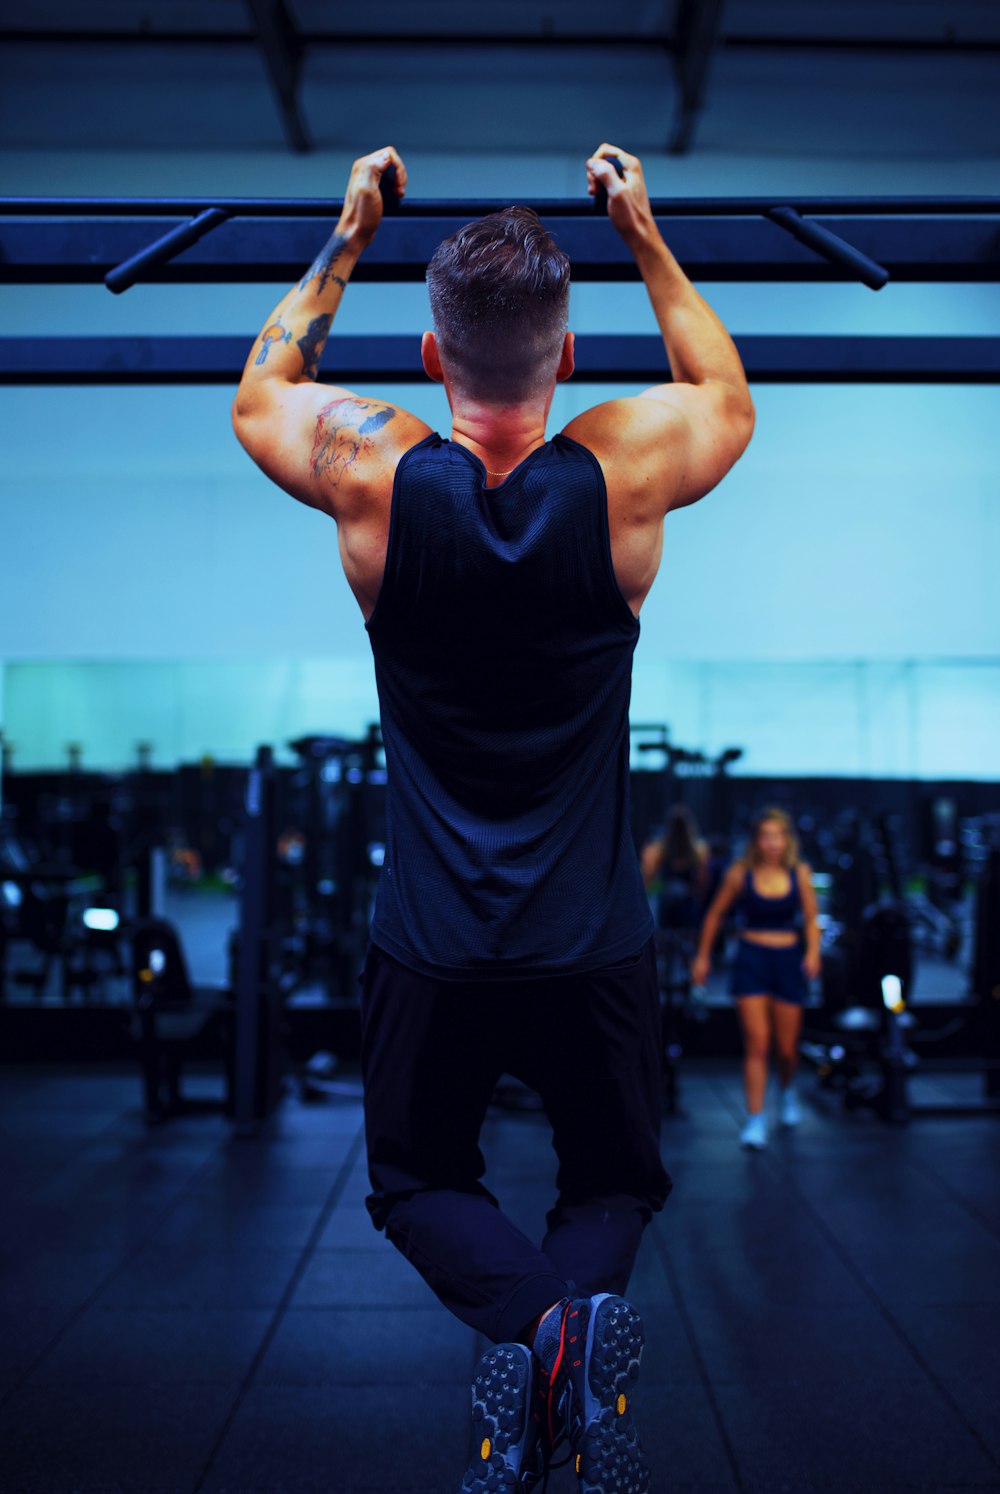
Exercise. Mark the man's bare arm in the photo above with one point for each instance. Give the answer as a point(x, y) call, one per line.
point(311, 440)
point(701, 423)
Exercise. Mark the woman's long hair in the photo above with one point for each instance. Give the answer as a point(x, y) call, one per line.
point(751, 856)
point(681, 843)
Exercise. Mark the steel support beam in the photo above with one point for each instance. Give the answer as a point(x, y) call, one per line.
point(272, 249)
point(604, 41)
point(604, 359)
point(696, 30)
point(282, 51)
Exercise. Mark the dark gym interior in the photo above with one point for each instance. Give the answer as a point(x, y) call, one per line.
point(193, 783)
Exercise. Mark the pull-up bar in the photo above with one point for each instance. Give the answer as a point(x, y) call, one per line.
point(80, 240)
point(469, 207)
point(828, 245)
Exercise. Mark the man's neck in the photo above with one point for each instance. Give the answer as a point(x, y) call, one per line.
point(500, 435)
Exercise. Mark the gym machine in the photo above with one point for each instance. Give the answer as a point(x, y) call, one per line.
point(878, 1045)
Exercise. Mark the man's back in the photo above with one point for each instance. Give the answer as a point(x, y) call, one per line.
point(503, 650)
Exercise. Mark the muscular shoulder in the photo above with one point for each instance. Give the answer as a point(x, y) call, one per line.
point(636, 445)
point(328, 447)
point(356, 443)
point(668, 446)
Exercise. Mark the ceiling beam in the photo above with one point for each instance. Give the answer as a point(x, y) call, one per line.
point(696, 30)
point(282, 51)
point(600, 359)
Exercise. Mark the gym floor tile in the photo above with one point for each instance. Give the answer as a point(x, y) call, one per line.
point(680, 1435)
point(161, 1278)
point(116, 1346)
point(668, 1359)
point(859, 1434)
point(314, 1439)
point(350, 1225)
point(92, 1226)
point(321, 1120)
point(25, 1334)
point(754, 1343)
point(278, 1155)
point(778, 1271)
point(214, 1222)
point(60, 1280)
point(59, 1122)
point(957, 1266)
point(369, 1346)
point(858, 1220)
point(362, 1278)
point(959, 1342)
point(100, 1439)
point(729, 1176)
point(266, 1182)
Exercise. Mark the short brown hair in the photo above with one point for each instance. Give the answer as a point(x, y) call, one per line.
point(499, 291)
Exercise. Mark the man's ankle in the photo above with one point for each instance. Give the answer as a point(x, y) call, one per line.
point(532, 1330)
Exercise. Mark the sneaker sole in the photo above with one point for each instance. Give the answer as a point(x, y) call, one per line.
point(610, 1459)
point(501, 1400)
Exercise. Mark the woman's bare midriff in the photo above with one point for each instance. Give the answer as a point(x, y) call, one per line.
point(771, 938)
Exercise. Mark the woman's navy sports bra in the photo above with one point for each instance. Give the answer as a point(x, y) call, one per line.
point(759, 913)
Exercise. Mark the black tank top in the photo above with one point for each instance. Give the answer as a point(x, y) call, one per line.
point(760, 912)
point(503, 657)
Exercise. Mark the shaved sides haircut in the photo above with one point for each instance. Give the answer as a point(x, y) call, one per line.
point(499, 292)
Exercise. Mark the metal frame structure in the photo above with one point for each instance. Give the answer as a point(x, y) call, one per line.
point(691, 40)
point(121, 241)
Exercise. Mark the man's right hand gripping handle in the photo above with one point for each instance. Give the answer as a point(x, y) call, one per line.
point(627, 199)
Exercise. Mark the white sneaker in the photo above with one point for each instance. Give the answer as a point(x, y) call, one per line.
point(789, 1110)
point(754, 1132)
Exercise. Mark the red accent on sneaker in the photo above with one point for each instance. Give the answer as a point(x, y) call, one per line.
point(555, 1370)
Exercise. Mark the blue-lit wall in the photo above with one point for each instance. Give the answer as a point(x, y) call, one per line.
point(832, 607)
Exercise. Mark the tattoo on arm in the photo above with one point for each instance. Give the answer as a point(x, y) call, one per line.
point(274, 333)
point(322, 267)
point(313, 343)
point(343, 430)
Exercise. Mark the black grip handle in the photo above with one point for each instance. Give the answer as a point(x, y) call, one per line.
point(387, 186)
point(164, 249)
point(601, 195)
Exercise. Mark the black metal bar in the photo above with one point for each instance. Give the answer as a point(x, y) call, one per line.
point(34, 251)
point(901, 44)
point(830, 245)
point(258, 1001)
point(466, 208)
point(612, 40)
point(163, 250)
point(637, 359)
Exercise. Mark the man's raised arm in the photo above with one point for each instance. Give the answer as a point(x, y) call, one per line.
point(704, 419)
point(279, 414)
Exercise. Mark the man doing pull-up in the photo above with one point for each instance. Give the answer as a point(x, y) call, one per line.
point(501, 575)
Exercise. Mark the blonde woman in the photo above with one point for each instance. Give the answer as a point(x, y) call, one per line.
point(770, 892)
